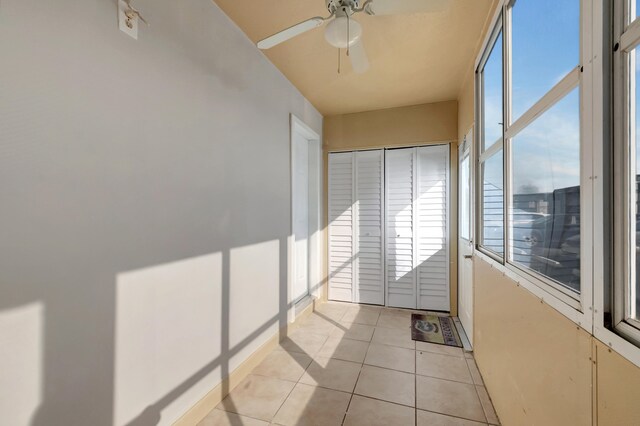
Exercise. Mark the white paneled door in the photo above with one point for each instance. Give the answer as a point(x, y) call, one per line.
point(465, 243)
point(388, 227)
point(356, 240)
point(417, 211)
point(300, 216)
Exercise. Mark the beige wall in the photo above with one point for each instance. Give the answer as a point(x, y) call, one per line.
point(466, 105)
point(535, 363)
point(542, 369)
point(406, 126)
point(414, 125)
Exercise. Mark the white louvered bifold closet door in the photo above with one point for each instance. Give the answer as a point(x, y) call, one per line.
point(401, 285)
point(369, 262)
point(432, 211)
point(341, 241)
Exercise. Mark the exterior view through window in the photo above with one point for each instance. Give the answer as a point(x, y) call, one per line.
point(533, 162)
point(544, 222)
point(491, 158)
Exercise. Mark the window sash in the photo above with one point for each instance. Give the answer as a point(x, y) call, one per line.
point(566, 85)
point(625, 198)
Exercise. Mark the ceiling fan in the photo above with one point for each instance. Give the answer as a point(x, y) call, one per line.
point(344, 32)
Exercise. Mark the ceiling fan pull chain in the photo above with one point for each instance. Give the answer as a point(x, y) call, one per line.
point(339, 60)
point(348, 35)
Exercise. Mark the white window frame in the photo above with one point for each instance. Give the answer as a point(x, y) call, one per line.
point(576, 307)
point(485, 154)
point(627, 39)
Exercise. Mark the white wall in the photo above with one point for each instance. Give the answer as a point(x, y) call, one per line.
point(144, 208)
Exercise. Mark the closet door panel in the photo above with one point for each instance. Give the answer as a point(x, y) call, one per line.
point(432, 212)
point(341, 215)
point(369, 262)
point(399, 212)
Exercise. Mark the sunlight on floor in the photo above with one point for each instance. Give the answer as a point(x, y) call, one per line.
point(357, 365)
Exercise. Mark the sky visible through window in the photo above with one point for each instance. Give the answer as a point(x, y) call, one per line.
point(545, 48)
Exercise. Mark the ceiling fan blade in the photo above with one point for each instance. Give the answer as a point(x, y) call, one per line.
point(397, 7)
point(358, 56)
point(290, 33)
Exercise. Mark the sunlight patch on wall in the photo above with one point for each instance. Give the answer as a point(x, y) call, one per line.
point(168, 327)
point(256, 292)
point(21, 361)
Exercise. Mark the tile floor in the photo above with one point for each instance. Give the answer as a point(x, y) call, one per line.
point(357, 365)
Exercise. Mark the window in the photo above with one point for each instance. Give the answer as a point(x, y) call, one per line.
point(530, 149)
point(545, 47)
point(626, 176)
point(491, 158)
point(544, 225)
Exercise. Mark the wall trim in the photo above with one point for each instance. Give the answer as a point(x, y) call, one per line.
point(209, 402)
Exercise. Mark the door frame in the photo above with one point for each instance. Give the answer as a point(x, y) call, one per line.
point(466, 146)
point(314, 263)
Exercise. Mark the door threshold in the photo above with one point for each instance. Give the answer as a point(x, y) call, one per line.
point(466, 344)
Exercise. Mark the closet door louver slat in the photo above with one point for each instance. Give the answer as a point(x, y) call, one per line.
point(369, 224)
point(432, 246)
point(399, 170)
point(341, 242)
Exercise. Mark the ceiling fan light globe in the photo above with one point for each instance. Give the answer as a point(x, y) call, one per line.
point(343, 31)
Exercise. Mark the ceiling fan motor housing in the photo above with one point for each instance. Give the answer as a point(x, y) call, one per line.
point(334, 6)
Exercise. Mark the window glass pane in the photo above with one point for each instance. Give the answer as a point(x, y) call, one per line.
point(465, 228)
point(545, 47)
point(492, 100)
point(492, 204)
point(545, 216)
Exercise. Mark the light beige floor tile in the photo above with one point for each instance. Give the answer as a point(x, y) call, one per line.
point(442, 367)
point(373, 308)
point(391, 357)
point(447, 397)
point(331, 311)
point(475, 373)
point(283, 365)
point(346, 349)
point(224, 418)
point(394, 321)
point(360, 316)
point(440, 349)
point(309, 405)
point(372, 412)
point(388, 385)
point(258, 397)
point(487, 405)
point(332, 373)
point(427, 418)
point(393, 337)
point(304, 342)
point(355, 331)
point(317, 324)
point(405, 313)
